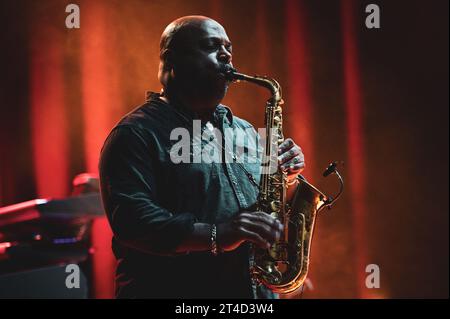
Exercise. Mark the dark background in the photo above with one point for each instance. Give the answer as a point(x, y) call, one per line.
point(376, 99)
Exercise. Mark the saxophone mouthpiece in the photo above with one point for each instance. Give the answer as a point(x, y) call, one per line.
point(228, 71)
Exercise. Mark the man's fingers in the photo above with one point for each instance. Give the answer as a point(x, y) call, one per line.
point(270, 234)
point(290, 154)
point(254, 238)
point(263, 224)
point(293, 167)
point(286, 145)
point(262, 217)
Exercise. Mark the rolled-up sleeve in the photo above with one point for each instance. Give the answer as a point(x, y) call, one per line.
point(130, 195)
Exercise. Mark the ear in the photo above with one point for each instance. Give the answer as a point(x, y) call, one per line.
point(167, 57)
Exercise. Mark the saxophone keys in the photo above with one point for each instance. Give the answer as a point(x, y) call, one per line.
point(275, 205)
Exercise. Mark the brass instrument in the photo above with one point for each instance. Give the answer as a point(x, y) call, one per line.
point(284, 266)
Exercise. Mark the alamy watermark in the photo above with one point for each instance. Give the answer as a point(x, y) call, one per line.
point(235, 145)
point(73, 277)
point(373, 277)
point(373, 18)
point(73, 17)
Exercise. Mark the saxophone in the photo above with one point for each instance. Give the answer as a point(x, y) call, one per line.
point(284, 266)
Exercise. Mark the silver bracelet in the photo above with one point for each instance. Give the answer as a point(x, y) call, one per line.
point(214, 248)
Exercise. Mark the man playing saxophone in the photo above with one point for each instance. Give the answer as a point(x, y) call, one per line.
point(183, 230)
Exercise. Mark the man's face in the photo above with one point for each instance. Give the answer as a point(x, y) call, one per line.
point(204, 48)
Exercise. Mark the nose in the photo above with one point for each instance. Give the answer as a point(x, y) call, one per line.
point(225, 56)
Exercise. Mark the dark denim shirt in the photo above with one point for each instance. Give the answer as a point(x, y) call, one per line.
point(152, 203)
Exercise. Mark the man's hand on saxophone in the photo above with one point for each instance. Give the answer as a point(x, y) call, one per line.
point(257, 227)
point(291, 158)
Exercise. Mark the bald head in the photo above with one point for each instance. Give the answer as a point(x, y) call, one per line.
point(181, 31)
point(193, 50)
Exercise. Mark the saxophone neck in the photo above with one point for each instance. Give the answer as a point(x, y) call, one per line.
point(271, 84)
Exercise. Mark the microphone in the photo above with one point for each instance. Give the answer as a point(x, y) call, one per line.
point(330, 169)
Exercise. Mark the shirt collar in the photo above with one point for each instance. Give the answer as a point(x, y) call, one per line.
point(220, 112)
point(223, 111)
